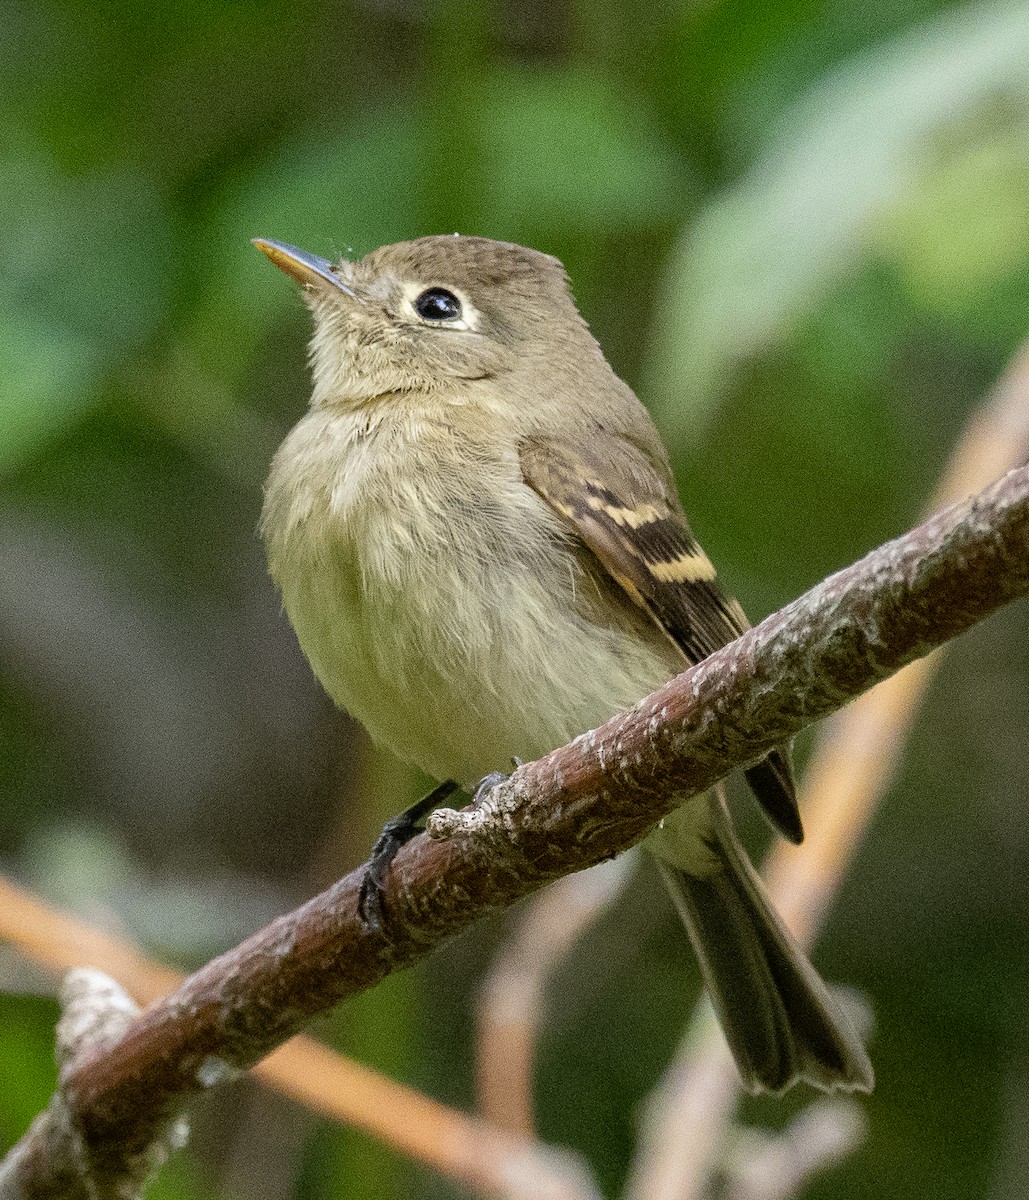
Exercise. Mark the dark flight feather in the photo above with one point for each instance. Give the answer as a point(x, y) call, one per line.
point(645, 544)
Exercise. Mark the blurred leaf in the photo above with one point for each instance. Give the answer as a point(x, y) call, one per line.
point(78, 866)
point(858, 148)
point(570, 150)
point(83, 262)
point(967, 231)
point(47, 374)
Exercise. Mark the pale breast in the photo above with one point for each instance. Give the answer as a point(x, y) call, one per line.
point(438, 599)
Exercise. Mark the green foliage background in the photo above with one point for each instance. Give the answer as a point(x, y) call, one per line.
point(801, 230)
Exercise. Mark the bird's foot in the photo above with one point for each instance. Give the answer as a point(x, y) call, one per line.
point(395, 833)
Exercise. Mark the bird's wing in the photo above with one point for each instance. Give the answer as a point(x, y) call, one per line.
point(641, 537)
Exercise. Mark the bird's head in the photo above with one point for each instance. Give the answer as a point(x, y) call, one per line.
point(427, 314)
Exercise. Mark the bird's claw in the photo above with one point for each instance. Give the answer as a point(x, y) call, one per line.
point(395, 833)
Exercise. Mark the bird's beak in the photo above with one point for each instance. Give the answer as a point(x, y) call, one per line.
point(306, 269)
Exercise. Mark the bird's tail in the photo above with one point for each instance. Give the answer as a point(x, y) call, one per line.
point(779, 1018)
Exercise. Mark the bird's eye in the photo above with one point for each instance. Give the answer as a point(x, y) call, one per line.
point(437, 304)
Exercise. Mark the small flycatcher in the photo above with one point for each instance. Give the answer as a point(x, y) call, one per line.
point(478, 540)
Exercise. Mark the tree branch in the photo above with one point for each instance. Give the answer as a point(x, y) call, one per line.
point(579, 805)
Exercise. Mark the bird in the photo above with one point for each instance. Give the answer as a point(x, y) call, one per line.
point(478, 539)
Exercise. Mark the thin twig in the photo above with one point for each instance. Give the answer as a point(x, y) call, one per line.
point(575, 807)
point(851, 768)
point(777, 1166)
point(513, 993)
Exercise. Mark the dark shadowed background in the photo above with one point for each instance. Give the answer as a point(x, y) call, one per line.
point(800, 230)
